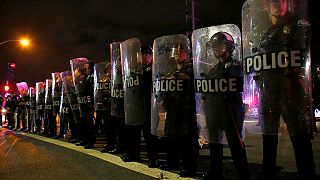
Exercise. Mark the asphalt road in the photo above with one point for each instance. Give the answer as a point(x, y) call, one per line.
point(30, 156)
point(23, 157)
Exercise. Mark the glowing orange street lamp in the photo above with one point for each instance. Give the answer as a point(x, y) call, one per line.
point(23, 42)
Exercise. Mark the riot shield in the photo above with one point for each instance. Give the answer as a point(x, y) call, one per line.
point(22, 88)
point(48, 95)
point(69, 90)
point(218, 81)
point(132, 70)
point(102, 86)
point(277, 66)
point(56, 91)
point(64, 106)
point(32, 95)
point(172, 102)
point(82, 72)
point(117, 102)
point(40, 93)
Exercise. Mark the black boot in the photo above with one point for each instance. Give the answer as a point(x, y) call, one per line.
point(270, 144)
point(216, 158)
point(304, 157)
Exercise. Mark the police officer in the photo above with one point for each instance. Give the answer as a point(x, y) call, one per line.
point(284, 86)
point(23, 112)
point(32, 114)
point(22, 106)
point(174, 96)
point(118, 137)
point(10, 107)
point(75, 123)
point(224, 109)
point(40, 121)
point(65, 113)
point(56, 97)
point(49, 118)
point(316, 94)
point(151, 140)
point(102, 95)
point(83, 77)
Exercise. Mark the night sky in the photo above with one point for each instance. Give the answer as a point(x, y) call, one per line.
point(64, 29)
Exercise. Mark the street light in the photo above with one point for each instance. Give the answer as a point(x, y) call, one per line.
point(11, 66)
point(24, 42)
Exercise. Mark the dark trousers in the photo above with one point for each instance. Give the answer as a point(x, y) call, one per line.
point(101, 116)
point(18, 120)
point(39, 121)
point(303, 154)
point(88, 130)
point(73, 127)
point(110, 131)
point(185, 148)
point(152, 143)
point(29, 119)
point(116, 133)
point(134, 140)
point(11, 121)
point(52, 123)
point(64, 120)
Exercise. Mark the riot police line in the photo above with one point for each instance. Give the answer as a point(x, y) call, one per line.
point(191, 99)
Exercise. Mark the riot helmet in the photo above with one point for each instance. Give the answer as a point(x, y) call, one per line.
point(221, 42)
point(178, 54)
point(146, 50)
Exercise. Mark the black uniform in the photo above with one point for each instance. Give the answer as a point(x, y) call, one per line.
point(181, 116)
point(224, 112)
point(49, 118)
point(33, 124)
point(22, 112)
point(284, 95)
point(151, 140)
point(85, 100)
point(10, 107)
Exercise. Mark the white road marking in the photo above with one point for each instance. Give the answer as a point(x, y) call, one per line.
point(6, 140)
point(11, 147)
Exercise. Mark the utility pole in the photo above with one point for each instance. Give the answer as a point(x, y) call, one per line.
point(191, 18)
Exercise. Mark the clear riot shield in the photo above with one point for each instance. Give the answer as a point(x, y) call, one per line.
point(132, 70)
point(32, 93)
point(102, 86)
point(64, 106)
point(172, 102)
point(82, 72)
point(70, 92)
point(277, 66)
point(23, 90)
point(218, 81)
point(117, 102)
point(56, 91)
point(32, 115)
point(40, 93)
point(48, 95)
